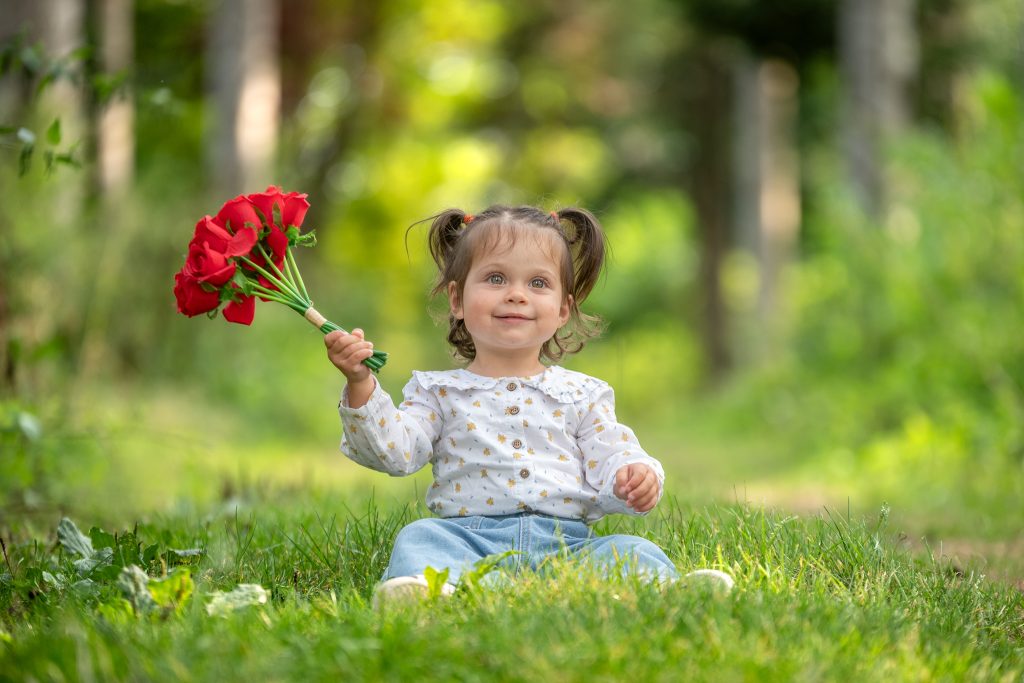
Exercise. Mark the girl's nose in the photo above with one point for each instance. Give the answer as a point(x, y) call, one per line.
point(515, 294)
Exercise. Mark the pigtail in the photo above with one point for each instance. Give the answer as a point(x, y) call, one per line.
point(445, 231)
point(585, 241)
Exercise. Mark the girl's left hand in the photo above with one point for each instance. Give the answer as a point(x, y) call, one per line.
point(637, 484)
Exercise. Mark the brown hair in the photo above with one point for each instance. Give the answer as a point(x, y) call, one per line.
point(456, 237)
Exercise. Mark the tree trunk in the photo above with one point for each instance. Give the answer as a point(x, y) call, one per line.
point(878, 54)
point(58, 27)
point(245, 93)
point(116, 125)
point(711, 193)
point(779, 205)
point(766, 180)
point(115, 160)
point(746, 158)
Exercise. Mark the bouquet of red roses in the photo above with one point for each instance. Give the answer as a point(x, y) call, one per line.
point(245, 252)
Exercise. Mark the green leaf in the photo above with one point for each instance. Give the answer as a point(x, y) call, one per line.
point(25, 159)
point(306, 239)
point(53, 132)
point(49, 77)
point(472, 578)
point(151, 554)
point(68, 159)
point(435, 581)
point(73, 540)
point(173, 590)
point(97, 561)
point(101, 539)
point(190, 557)
point(7, 130)
point(119, 611)
point(133, 583)
point(86, 588)
point(243, 595)
point(244, 283)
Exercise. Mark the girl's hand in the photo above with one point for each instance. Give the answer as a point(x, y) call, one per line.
point(347, 352)
point(637, 484)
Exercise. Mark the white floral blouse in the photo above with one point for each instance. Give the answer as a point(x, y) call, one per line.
point(548, 444)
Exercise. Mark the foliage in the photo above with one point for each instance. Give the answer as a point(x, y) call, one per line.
point(900, 380)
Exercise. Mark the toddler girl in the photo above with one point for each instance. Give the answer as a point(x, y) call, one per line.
point(524, 456)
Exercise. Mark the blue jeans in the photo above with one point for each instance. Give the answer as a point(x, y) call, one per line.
point(456, 543)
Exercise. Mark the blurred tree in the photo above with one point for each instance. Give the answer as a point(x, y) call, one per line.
point(878, 55)
point(44, 88)
point(245, 91)
point(778, 197)
point(115, 135)
point(711, 194)
point(113, 113)
point(758, 51)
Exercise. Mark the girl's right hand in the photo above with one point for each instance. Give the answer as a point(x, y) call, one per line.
point(347, 352)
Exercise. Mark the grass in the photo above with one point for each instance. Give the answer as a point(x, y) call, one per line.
point(823, 593)
point(821, 597)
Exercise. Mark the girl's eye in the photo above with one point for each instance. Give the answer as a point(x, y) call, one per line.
point(496, 279)
point(538, 282)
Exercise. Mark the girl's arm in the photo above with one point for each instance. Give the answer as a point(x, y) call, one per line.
point(398, 441)
point(609, 446)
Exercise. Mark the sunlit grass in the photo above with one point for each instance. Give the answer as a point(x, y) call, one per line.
point(818, 597)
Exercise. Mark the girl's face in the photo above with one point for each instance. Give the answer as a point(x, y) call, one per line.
point(513, 301)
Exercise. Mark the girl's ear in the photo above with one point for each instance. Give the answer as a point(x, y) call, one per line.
point(565, 310)
point(454, 304)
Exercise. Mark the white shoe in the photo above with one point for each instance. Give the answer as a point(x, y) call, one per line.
point(405, 588)
point(711, 578)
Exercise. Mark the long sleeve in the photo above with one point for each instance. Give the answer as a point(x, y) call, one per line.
point(386, 438)
point(607, 446)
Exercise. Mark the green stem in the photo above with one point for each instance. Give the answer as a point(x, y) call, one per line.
point(277, 271)
point(281, 285)
point(273, 295)
point(298, 276)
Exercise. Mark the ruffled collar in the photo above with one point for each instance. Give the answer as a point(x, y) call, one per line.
point(565, 386)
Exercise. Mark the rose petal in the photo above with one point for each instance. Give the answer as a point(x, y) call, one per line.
point(292, 206)
point(208, 230)
point(277, 241)
point(264, 201)
point(237, 213)
point(242, 242)
point(191, 297)
point(241, 312)
point(207, 265)
point(294, 210)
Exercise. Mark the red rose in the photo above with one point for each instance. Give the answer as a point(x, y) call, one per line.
point(192, 298)
point(239, 213)
point(293, 206)
point(241, 311)
point(277, 245)
point(212, 232)
point(208, 265)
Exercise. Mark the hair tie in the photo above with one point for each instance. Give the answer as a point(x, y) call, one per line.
point(468, 218)
point(554, 214)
